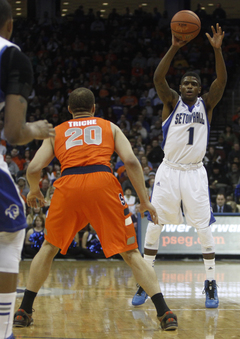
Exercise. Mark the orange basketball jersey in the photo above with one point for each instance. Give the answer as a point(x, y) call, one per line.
point(83, 142)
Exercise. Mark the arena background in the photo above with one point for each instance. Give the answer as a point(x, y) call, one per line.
point(36, 8)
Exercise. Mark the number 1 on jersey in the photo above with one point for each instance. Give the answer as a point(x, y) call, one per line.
point(191, 132)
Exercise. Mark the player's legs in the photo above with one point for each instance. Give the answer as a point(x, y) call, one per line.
point(10, 254)
point(150, 251)
point(147, 278)
point(60, 231)
point(39, 271)
point(12, 233)
point(166, 199)
point(62, 227)
point(151, 242)
point(143, 273)
point(197, 210)
point(40, 266)
point(208, 252)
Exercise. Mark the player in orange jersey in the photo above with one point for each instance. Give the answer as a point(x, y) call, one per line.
point(88, 192)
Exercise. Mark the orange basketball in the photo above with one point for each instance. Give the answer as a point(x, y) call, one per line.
point(185, 25)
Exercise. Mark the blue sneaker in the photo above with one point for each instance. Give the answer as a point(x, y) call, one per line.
point(140, 297)
point(210, 289)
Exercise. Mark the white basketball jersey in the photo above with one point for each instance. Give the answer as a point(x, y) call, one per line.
point(185, 133)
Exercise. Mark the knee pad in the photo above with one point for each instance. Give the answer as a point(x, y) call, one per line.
point(10, 250)
point(206, 239)
point(152, 236)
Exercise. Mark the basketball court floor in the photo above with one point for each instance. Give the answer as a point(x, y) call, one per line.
point(92, 299)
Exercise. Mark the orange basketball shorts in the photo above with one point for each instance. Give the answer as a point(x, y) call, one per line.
point(95, 198)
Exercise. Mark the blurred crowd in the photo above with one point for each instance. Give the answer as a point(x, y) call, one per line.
point(116, 58)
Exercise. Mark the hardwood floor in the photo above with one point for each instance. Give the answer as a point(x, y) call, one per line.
point(92, 299)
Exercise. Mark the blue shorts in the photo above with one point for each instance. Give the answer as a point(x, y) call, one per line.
point(12, 206)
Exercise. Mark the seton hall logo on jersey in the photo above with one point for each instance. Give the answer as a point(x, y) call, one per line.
point(183, 118)
point(12, 211)
point(121, 198)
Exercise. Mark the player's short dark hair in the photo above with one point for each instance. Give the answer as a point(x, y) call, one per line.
point(191, 74)
point(81, 100)
point(5, 12)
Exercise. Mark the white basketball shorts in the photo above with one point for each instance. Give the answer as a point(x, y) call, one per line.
point(179, 190)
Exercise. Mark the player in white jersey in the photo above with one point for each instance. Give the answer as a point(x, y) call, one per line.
point(15, 86)
point(181, 182)
point(183, 128)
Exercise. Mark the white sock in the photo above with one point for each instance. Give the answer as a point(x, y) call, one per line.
point(7, 303)
point(209, 268)
point(150, 259)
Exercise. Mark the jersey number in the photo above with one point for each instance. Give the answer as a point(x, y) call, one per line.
point(191, 132)
point(91, 135)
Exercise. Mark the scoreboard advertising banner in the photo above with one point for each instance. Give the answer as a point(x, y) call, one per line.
point(183, 239)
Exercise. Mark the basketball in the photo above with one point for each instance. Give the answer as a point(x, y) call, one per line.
point(185, 25)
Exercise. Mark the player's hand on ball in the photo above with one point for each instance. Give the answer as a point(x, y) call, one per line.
point(177, 42)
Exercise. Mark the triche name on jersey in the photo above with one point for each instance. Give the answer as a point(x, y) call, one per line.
point(82, 123)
